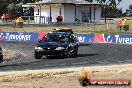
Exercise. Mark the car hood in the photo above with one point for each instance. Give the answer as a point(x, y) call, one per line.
point(52, 44)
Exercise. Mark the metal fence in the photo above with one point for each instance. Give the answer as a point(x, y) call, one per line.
point(34, 19)
point(37, 21)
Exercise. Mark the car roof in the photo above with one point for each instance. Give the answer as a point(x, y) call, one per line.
point(65, 28)
point(59, 33)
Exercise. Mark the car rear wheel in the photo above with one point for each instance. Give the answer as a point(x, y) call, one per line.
point(75, 54)
point(68, 54)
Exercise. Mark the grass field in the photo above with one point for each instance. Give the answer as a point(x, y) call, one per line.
point(110, 28)
point(76, 29)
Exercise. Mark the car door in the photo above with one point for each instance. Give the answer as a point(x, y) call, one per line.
point(73, 43)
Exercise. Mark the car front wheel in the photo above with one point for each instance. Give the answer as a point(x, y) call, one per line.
point(1, 59)
point(37, 57)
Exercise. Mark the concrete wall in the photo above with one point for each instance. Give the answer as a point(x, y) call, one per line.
point(80, 9)
point(56, 12)
point(37, 14)
point(45, 12)
point(67, 11)
point(97, 13)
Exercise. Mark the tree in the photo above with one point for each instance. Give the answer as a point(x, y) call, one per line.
point(108, 2)
point(13, 10)
point(128, 12)
point(5, 4)
point(112, 7)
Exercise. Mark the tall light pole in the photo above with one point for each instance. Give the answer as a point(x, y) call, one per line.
point(60, 7)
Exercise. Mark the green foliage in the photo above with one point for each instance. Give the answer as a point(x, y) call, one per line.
point(128, 11)
point(4, 6)
point(13, 10)
point(112, 10)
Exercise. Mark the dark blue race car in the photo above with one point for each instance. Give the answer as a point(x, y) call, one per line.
point(57, 44)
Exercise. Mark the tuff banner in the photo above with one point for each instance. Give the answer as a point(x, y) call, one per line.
point(85, 38)
point(105, 38)
point(41, 35)
point(118, 38)
point(82, 38)
point(18, 36)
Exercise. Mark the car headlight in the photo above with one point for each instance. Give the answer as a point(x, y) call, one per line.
point(38, 48)
point(59, 48)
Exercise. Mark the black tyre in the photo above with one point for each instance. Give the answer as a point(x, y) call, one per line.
point(37, 57)
point(75, 53)
point(68, 54)
point(84, 81)
point(1, 59)
point(48, 57)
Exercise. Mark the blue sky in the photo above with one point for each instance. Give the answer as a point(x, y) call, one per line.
point(125, 4)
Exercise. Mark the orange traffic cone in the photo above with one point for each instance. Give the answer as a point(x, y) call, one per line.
point(85, 73)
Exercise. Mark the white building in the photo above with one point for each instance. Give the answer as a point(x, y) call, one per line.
point(71, 10)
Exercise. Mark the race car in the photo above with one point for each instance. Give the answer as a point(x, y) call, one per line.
point(56, 44)
point(67, 30)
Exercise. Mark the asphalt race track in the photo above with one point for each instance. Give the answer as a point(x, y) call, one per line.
point(88, 55)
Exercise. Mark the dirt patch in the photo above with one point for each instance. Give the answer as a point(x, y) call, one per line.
point(63, 78)
point(9, 55)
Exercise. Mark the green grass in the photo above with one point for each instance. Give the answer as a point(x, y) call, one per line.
point(76, 29)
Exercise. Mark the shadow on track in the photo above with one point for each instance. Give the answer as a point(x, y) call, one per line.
point(85, 55)
point(9, 65)
point(49, 58)
point(79, 55)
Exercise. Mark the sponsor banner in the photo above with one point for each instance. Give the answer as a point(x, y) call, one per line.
point(113, 38)
point(18, 36)
point(85, 38)
point(99, 38)
point(118, 38)
point(41, 35)
point(82, 38)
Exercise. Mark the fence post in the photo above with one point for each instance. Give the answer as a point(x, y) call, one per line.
point(107, 26)
point(44, 20)
point(28, 20)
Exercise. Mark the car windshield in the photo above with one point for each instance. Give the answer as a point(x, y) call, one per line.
point(68, 31)
point(55, 37)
